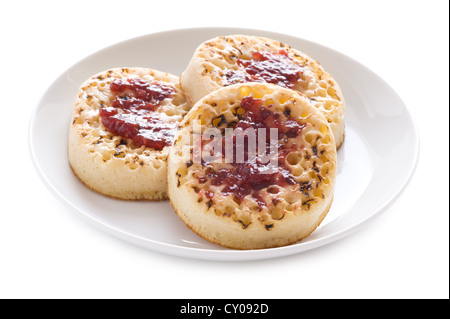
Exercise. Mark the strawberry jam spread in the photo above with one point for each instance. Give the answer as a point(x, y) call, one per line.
point(276, 68)
point(132, 113)
point(251, 176)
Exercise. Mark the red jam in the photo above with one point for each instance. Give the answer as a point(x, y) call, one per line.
point(131, 114)
point(242, 179)
point(276, 68)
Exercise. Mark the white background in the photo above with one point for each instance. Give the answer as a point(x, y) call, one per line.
point(46, 251)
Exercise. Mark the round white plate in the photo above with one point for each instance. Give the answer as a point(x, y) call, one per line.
point(375, 163)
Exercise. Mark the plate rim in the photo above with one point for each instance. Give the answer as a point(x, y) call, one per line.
point(226, 254)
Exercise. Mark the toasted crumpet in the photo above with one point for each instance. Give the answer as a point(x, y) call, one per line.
point(119, 165)
point(253, 204)
point(228, 60)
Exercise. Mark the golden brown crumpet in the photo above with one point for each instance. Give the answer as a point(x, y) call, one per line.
point(228, 60)
point(245, 202)
point(123, 123)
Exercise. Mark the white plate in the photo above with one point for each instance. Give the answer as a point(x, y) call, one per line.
point(375, 163)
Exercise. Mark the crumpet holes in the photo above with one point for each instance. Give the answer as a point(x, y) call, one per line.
point(293, 158)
